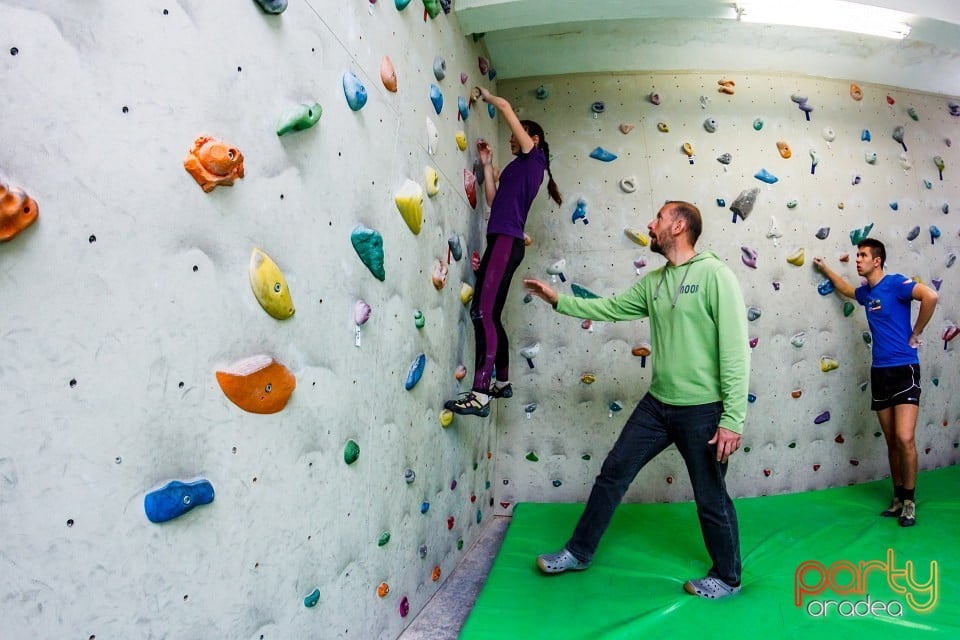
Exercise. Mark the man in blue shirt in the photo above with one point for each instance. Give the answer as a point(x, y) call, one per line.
point(895, 373)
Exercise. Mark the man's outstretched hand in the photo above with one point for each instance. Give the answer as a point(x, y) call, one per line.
point(541, 290)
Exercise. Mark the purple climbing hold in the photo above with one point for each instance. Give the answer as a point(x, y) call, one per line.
point(749, 256)
point(823, 417)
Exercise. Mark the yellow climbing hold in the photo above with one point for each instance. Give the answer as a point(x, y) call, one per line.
point(410, 204)
point(446, 418)
point(588, 378)
point(828, 363)
point(461, 138)
point(796, 258)
point(663, 127)
point(637, 236)
point(432, 179)
point(466, 293)
point(269, 286)
point(688, 149)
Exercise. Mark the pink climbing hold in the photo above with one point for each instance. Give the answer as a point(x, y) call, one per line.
point(951, 332)
point(470, 187)
point(754, 341)
point(749, 256)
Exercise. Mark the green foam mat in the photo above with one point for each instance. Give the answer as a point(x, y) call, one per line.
point(634, 587)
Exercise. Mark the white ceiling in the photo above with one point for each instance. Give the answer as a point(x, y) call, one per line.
point(534, 38)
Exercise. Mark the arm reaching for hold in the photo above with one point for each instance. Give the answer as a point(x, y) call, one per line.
point(524, 140)
point(490, 177)
point(839, 284)
point(542, 291)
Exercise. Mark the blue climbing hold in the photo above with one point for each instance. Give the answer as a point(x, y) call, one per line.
point(751, 398)
point(865, 135)
point(462, 107)
point(415, 372)
point(602, 155)
point(825, 288)
point(765, 176)
point(273, 6)
point(934, 233)
point(491, 110)
point(424, 507)
point(354, 91)
point(176, 498)
point(580, 213)
point(894, 205)
point(721, 202)
point(436, 97)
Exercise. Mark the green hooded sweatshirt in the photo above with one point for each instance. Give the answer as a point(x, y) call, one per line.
point(698, 328)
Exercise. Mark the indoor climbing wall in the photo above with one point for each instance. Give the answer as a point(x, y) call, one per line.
point(810, 164)
point(226, 332)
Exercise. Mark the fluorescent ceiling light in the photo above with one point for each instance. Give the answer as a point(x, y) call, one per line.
point(827, 14)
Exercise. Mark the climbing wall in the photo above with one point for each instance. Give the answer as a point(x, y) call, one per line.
point(200, 435)
point(618, 147)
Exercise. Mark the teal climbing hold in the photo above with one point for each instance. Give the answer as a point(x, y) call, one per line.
point(354, 91)
point(858, 235)
point(176, 498)
point(463, 107)
point(582, 292)
point(298, 118)
point(415, 372)
point(542, 93)
point(351, 451)
point(418, 319)
point(369, 246)
point(384, 539)
point(848, 308)
point(401, 4)
point(312, 599)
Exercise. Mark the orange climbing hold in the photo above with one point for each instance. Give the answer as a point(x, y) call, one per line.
point(17, 211)
point(436, 574)
point(213, 163)
point(388, 75)
point(727, 86)
point(856, 92)
point(383, 589)
point(258, 384)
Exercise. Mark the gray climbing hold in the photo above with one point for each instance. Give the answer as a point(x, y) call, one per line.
point(823, 232)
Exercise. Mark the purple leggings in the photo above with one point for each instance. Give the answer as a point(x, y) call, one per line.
point(500, 261)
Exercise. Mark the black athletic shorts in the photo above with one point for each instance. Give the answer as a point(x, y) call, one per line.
point(891, 386)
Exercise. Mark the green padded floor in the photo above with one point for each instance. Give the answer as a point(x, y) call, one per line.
point(634, 588)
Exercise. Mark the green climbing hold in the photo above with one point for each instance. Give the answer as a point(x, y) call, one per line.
point(586, 456)
point(582, 292)
point(432, 7)
point(351, 452)
point(557, 483)
point(459, 544)
point(532, 457)
point(300, 117)
point(792, 445)
point(746, 449)
point(384, 539)
point(479, 516)
point(475, 465)
point(848, 308)
point(859, 235)
point(936, 382)
point(758, 124)
point(486, 484)
point(418, 319)
point(312, 599)
point(792, 204)
point(368, 244)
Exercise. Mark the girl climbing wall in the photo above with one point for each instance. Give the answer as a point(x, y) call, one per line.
point(510, 202)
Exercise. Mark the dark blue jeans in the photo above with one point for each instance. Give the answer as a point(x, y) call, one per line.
point(651, 428)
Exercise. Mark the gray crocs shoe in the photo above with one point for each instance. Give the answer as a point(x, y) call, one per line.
point(560, 561)
point(710, 587)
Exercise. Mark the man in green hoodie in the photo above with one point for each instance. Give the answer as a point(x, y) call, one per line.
point(697, 398)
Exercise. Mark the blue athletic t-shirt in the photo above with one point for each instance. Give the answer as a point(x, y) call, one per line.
point(520, 181)
point(888, 313)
